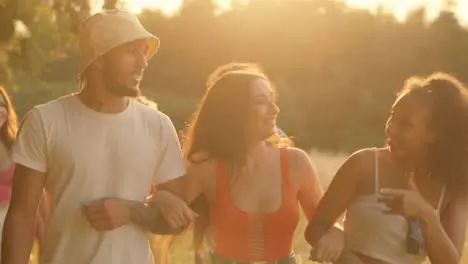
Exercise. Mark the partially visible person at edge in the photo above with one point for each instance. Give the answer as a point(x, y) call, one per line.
point(8, 130)
point(407, 201)
point(97, 143)
point(280, 133)
point(232, 150)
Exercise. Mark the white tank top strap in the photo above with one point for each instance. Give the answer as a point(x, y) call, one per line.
point(376, 172)
point(441, 198)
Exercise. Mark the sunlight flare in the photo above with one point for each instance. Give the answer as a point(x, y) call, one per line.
point(399, 8)
point(166, 6)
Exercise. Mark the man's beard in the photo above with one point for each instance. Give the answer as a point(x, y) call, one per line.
point(114, 86)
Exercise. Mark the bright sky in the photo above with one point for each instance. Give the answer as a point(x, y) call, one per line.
point(398, 7)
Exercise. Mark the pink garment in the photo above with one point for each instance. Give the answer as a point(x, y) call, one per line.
point(6, 176)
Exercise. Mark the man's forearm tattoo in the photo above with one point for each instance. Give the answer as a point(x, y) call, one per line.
point(149, 217)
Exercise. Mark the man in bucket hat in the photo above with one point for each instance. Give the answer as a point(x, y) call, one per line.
point(84, 147)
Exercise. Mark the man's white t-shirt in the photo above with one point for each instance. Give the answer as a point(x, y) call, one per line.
point(87, 156)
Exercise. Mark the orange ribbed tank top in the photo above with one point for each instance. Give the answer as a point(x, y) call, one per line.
point(247, 237)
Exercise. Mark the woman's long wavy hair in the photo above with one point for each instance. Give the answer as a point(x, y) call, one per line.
point(10, 127)
point(218, 129)
point(447, 101)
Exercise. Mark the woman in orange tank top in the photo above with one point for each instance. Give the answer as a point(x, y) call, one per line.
point(247, 180)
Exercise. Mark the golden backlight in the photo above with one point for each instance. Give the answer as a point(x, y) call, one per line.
point(167, 6)
point(398, 7)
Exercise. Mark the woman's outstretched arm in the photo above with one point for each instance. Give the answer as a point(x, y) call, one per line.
point(337, 197)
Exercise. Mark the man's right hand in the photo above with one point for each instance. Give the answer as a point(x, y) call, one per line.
point(175, 211)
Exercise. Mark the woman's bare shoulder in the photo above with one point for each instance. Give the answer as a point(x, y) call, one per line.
point(298, 158)
point(361, 160)
point(360, 165)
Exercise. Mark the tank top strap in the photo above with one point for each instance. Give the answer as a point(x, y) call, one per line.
point(285, 168)
point(376, 172)
point(441, 198)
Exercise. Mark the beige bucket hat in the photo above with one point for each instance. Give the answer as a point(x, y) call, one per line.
point(106, 30)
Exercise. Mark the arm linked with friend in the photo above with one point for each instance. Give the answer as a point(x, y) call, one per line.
point(149, 216)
